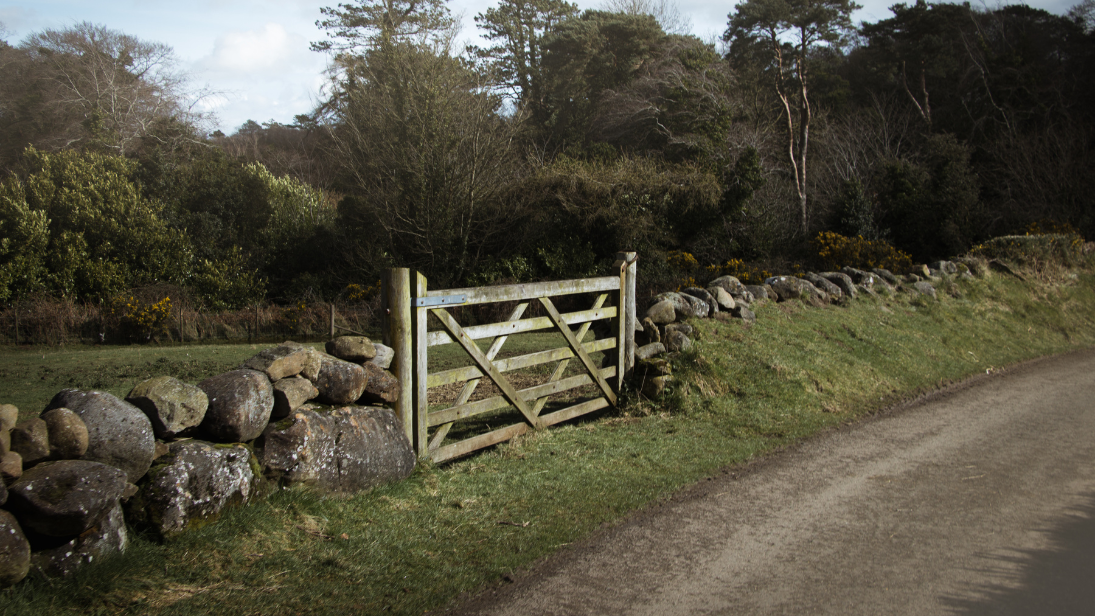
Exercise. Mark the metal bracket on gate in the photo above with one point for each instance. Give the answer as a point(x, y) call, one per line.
point(440, 300)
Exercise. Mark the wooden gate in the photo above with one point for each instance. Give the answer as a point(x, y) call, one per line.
point(409, 305)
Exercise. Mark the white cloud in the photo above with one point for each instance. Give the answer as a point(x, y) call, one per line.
point(271, 48)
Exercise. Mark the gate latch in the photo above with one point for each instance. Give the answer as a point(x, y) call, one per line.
point(440, 300)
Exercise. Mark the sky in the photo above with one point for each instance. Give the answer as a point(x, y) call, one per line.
point(254, 54)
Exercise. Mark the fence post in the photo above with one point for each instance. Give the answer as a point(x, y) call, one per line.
point(421, 369)
point(625, 317)
point(16, 325)
point(332, 337)
point(396, 286)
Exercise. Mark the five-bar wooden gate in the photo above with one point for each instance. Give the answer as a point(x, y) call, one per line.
point(408, 305)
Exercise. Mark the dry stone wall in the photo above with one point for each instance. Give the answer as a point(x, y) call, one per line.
point(172, 455)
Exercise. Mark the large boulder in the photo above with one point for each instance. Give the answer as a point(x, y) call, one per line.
point(175, 408)
point(338, 381)
point(14, 551)
point(685, 306)
point(347, 450)
point(676, 340)
point(192, 485)
point(108, 536)
point(381, 388)
point(649, 350)
point(240, 404)
point(68, 435)
point(886, 275)
point(289, 394)
point(66, 497)
point(948, 268)
point(119, 434)
point(758, 292)
point(286, 359)
point(356, 349)
point(744, 313)
point(30, 439)
point(842, 280)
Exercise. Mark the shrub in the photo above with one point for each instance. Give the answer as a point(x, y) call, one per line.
point(1066, 249)
point(836, 251)
point(746, 273)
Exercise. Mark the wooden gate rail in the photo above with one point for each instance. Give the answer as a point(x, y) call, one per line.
point(408, 304)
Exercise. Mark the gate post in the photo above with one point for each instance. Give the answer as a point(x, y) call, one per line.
point(396, 302)
point(420, 406)
point(625, 318)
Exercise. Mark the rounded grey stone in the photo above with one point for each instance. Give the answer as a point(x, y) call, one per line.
point(240, 404)
point(66, 497)
point(175, 408)
point(119, 434)
point(68, 435)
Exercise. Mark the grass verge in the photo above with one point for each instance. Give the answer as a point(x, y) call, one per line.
point(742, 391)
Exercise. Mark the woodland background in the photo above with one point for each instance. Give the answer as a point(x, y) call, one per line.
point(572, 136)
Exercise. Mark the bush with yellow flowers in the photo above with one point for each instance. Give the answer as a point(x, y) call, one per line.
point(140, 320)
point(746, 273)
point(358, 293)
point(1067, 249)
point(837, 251)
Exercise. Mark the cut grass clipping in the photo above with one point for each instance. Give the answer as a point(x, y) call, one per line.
point(741, 392)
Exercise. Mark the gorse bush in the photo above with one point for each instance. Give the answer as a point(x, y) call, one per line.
point(746, 273)
point(139, 320)
point(836, 251)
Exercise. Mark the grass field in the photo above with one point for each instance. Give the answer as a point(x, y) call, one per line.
point(742, 391)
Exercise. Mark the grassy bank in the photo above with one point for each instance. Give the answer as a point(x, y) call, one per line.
point(742, 391)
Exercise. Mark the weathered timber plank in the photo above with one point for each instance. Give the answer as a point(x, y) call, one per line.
point(578, 350)
point(471, 409)
point(398, 335)
point(484, 364)
point(534, 290)
point(456, 375)
point(448, 452)
point(574, 411)
point(421, 370)
point(478, 332)
point(469, 387)
point(561, 369)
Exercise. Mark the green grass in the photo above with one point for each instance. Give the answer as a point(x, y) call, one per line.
point(741, 392)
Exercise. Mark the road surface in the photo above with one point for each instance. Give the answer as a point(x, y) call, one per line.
point(976, 500)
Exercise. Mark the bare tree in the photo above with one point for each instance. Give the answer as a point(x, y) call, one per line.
point(667, 12)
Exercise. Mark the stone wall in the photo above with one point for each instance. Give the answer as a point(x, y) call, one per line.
point(172, 455)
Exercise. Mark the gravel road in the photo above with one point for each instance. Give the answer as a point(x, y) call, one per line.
point(976, 500)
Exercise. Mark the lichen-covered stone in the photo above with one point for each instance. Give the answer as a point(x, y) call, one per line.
point(9, 416)
point(356, 349)
point(192, 485)
point(744, 313)
point(842, 280)
point(14, 551)
point(68, 435)
point(289, 394)
point(685, 306)
point(384, 356)
point(791, 287)
point(285, 360)
point(339, 382)
point(119, 434)
point(886, 275)
point(732, 285)
point(824, 284)
point(108, 536)
point(5, 441)
point(722, 298)
point(649, 350)
point(66, 497)
point(350, 449)
point(661, 312)
point(676, 340)
point(924, 288)
point(655, 386)
point(713, 306)
point(30, 439)
point(757, 292)
point(381, 388)
point(948, 268)
point(240, 404)
point(175, 408)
